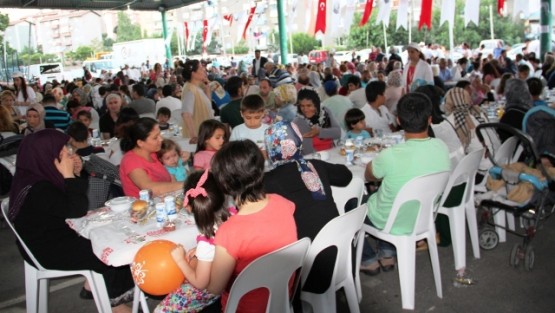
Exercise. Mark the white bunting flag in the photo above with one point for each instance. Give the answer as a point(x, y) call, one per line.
point(447, 12)
point(471, 12)
point(520, 7)
point(384, 12)
point(402, 14)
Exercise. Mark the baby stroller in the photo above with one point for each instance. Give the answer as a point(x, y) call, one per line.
point(522, 190)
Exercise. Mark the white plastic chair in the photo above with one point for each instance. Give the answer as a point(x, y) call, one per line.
point(272, 271)
point(342, 195)
point(36, 279)
point(465, 172)
point(340, 233)
point(426, 191)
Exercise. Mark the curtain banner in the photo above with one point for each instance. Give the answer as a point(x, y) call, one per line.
point(426, 14)
point(367, 12)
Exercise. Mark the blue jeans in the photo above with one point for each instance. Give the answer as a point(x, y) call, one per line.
point(385, 249)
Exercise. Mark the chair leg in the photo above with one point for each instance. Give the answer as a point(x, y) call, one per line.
point(31, 288)
point(434, 257)
point(360, 244)
point(499, 220)
point(352, 297)
point(473, 228)
point(406, 258)
point(144, 305)
point(458, 235)
point(136, 299)
point(510, 221)
point(100, 294)
point(43, 295)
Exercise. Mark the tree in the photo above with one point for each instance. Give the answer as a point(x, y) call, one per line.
point(126, 30)
point(511, 31)
point(81, 53)
point(107, 42)
point(304, 43)
point(240, 48)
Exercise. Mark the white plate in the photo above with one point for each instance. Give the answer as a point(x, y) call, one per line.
point(120, 204)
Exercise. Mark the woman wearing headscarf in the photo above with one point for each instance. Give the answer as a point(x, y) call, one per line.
point(417, 72)
point(46, 190)
point(317, 125)
point(518, 102)
point(35, 119)
point(308, 185)
point(394, 90)
point(464, 117)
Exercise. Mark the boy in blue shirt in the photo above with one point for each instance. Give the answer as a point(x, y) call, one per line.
point(354, 120)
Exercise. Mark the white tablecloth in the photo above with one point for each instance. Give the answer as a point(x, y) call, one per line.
point(115, 239)
point(334, 156)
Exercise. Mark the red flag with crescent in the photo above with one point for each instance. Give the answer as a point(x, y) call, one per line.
point(367, 12)
point(500, 6)
point(229, 18)
point(204, 30)
point(321, 17)
point(426, 14)
point(186, 33)
point(249, 20)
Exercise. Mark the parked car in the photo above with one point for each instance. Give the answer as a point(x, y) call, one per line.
point(317, 56)
point(342, 56)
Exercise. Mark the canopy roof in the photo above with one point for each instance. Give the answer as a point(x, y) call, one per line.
point(143, 5)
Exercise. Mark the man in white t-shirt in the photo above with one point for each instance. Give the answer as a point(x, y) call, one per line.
point(378, 119)
point(168, 101)
point(357, 94)
point(252, 112)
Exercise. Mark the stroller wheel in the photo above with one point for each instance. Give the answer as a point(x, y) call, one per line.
point(516, 253)
point(529, 257)
point(488, 239)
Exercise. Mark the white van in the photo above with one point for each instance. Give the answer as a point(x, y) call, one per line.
point(96, 67)
point(46, 72)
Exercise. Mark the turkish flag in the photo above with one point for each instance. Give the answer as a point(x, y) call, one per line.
point(500, 6)
point(367, 12)
point(321, 17)
point(186, 33)
point(426, 14)
point(204, 34)
point(251, 14)
point(229, 18)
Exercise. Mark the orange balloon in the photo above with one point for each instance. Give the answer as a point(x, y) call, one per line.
point(154, 269)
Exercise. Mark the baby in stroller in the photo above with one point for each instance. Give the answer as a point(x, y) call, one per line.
point(523, 190)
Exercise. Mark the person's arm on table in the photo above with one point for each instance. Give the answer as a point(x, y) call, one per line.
point(139, 177)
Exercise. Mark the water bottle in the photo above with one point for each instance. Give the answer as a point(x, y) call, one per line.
point(349, 152)
point(169, 203)
point(160, 214)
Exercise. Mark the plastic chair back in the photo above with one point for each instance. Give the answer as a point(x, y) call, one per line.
point(272, 271)
point(36, 278)
point(342, 195)
point(465, 172)
point(426, 191)
point(338, 232)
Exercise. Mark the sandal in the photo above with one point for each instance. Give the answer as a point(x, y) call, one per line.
point(85, 294)
point(387, 264)
point(372, 269)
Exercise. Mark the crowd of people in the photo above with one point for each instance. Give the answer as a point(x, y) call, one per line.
point(242, 119)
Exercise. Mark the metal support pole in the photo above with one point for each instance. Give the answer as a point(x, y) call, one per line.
point(282, 31)
point(165, 36)
point(546, 26)
point(491, 22)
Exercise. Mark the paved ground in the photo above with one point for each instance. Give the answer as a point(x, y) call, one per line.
point(500, 287)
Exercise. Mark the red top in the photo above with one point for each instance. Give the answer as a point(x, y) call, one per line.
point(154, 169)
point(247, 237)
point(410, 76)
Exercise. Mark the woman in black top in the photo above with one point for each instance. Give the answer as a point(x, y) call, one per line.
point(45, 192)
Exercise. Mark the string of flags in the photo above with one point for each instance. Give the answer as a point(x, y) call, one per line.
point(330, 18)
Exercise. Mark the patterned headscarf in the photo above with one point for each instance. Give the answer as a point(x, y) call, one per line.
point(459, 103)
point(34, 163)
point(284, 145)
point(394, 78)
point(517, 94)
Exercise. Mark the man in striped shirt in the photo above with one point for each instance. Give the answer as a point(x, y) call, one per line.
point(59, 118)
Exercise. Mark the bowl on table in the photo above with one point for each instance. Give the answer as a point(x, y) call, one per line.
point(120, 204)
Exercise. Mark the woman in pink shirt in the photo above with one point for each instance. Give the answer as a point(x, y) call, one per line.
point(140, 168)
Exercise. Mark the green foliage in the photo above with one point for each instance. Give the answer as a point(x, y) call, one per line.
point(240, 48)
point(174, 44)
point(107, 42)
point(511, 31)
point(30, 56)
point(127, 31)
point(304, 43)
point(81, 53)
